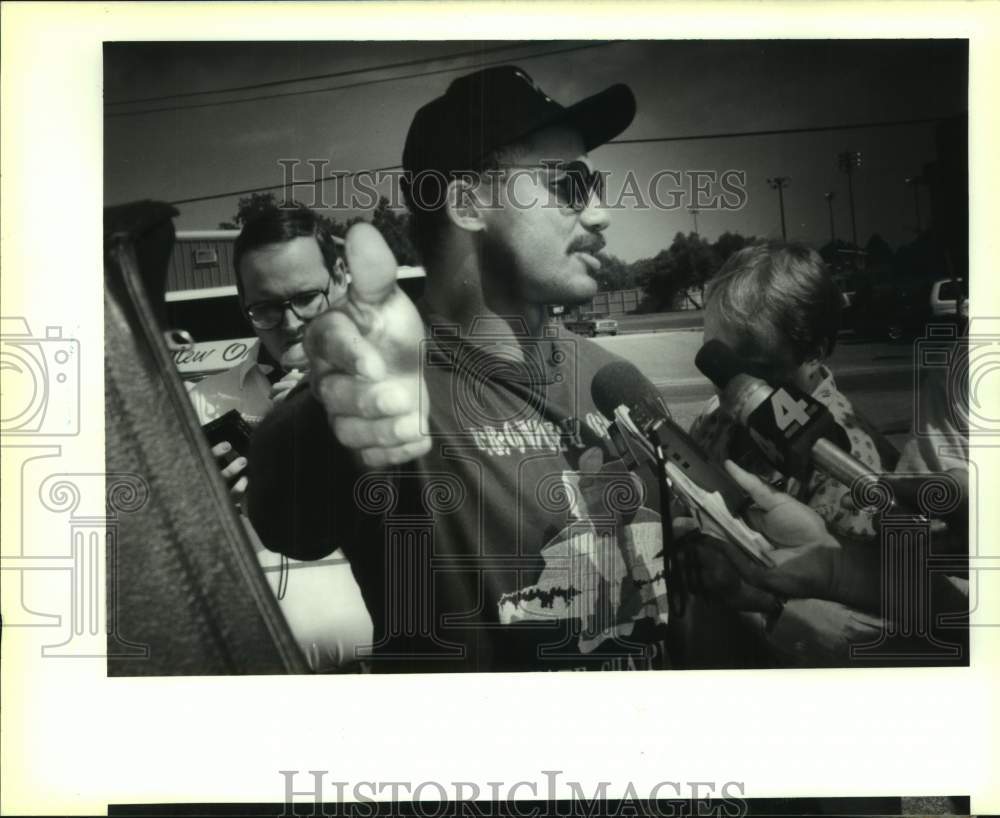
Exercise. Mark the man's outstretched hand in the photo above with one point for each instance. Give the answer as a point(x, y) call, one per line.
point(364, 359)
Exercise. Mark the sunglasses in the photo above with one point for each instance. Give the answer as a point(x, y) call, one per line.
point(573, 184)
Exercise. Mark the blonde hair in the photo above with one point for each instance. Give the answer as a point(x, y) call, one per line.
point(775, 297)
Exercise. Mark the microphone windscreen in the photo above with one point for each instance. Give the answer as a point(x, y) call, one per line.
point(718, 363)
point(621, 382)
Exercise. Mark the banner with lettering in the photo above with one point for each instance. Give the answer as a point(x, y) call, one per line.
point(212, 356)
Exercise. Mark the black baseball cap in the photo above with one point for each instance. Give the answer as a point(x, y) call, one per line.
point(488, 109)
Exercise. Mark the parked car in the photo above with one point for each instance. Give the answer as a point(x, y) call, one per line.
point(946, 293)
point(592, 325)
point(898, 309)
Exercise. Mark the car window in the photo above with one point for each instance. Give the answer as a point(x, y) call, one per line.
point(949, 290)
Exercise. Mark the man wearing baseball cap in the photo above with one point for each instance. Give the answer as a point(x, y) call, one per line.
point(452, 447)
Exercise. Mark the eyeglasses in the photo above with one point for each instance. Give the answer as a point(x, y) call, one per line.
point(305, 305)
point(573, 184)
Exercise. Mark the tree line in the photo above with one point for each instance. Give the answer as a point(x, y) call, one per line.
point(680, 271)
point(676, 276)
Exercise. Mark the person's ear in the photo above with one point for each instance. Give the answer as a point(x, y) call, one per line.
point(463, 204)
point(340, 272)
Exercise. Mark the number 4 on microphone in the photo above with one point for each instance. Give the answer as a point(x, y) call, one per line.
point(788, 410)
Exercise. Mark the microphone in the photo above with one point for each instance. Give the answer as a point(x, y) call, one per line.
point(627, 398)
point(793, 430)
point(617, 389)
point(619, 385)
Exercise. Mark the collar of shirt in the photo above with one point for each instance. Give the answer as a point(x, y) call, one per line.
point(826, 386)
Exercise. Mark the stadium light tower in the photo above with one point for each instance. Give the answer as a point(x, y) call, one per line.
point(847, 162)
point(829, 203)
point(779, 183)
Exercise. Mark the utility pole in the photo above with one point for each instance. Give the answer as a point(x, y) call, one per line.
point(829, 203)
point(779, 183)
point(694, 213)
point(915, 182)
point(848, 161)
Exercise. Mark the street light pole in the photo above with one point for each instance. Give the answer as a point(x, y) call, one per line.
point(779, 183)
point(829, 202)
point(848, 161)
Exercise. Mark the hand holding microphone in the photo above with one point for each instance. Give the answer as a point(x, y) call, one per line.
point(793, 430)
point(642, 428)
point(809, 563)
point(619, 388)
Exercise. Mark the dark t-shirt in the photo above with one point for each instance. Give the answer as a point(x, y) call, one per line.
point(519, 542)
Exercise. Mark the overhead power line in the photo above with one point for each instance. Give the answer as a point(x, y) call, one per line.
point(273, 83)
point(342, 175)
point(350, 85)
point(639, 141)
point(777, 131)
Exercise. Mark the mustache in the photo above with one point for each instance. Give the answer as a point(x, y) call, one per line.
point(592, 244)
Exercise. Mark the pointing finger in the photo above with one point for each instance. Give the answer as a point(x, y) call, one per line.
point(334, 342)
point(360, 433)
point(379, 457)
point(346, 395)
point(372, 265)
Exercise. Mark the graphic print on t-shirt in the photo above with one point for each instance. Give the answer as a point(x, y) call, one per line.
point(604, 569)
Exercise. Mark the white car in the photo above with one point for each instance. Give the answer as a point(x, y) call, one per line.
point(946, 294)
point(592, 325)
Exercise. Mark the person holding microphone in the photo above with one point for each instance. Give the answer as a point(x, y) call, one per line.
point(820, 598)
point(777, 308)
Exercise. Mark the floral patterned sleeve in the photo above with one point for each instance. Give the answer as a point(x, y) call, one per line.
point(825, 494)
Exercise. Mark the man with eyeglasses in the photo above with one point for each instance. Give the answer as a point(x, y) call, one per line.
point(493, 527)
point(288, 268)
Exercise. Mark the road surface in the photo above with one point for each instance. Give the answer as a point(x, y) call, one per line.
point(659, 321)
point(877, 377)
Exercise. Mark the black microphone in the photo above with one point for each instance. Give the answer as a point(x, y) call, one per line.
point(625, 397)
point(793, 430)
point(621, 384)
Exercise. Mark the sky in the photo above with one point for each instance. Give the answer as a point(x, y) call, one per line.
point(683, 89)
